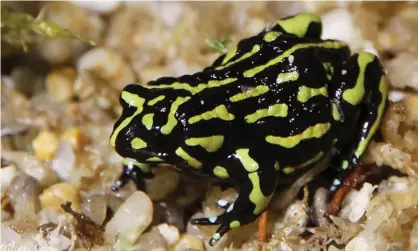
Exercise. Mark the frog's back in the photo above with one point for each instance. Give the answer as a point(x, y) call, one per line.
point(271, 93)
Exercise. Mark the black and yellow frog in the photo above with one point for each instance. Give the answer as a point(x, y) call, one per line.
point(275, 103)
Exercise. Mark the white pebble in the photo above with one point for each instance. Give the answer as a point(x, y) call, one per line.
point(356, 203)
point(6, 176)
point(131, 218)
point(170, 12)
point(396, 96)
point(343, 72)
point(360, 243)
point(64, 160)
point(101, 7)
point(171, 233)
point(339, 24)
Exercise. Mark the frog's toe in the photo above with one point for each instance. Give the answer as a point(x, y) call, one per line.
point(222, 230)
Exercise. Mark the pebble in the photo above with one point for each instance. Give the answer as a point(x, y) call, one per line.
point(339, 24)
point(170, 233)
point(188, 241)
point(6, 176)
point(64, 160)
point(165, 182)
point(23, 197)
point(57, 194)
point(356, 203)
point(45, 145)
point(137, 210)
point(76, 137)
point(101, 7)
point(59, 84)
point(108, 65)
point(95, 207)
point(32, 166)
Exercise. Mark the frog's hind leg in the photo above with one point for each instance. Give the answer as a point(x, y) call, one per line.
point(255, 191)
point(301, 25)
point(359, 84)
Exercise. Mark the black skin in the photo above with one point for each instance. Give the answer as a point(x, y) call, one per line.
point(239, 134)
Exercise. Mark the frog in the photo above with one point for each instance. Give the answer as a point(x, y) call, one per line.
point(271, 106)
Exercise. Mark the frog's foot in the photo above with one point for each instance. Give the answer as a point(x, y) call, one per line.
point(227, 221)
point(131, 173)
point(251, 202)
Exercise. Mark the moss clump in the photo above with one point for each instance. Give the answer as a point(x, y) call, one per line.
point(219, 45)
point(22, 29)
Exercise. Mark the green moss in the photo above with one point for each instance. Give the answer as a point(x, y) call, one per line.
point(22, 29)
point(218, 44)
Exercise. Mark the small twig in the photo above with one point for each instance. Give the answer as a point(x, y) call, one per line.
point(356, 176)
point(85, 226)
point(262, 229)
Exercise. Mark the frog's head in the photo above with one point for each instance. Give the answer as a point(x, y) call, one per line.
point(138, 133)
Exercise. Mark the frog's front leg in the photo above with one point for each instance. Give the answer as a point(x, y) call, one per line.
point(359, 84)
point(134, 171)
point(255, 191)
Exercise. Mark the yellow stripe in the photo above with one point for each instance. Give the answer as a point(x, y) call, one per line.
point(383, 88)
point(189, 159)
point(193, 89)
point(335, 112)
point(315, 131)
point(156, 100)
point(219, 112)
point(229, 55)
point(305, 93)
point(254, 50)
point(290, 169)
point(277, 110)
point(133, 100)
point(138, 143)
point(327, 44)
point(221, 172)
point(148, 120)
point(211, 143)
point(155, 159)
point(257, 91)
point(271, 36)
point(299, 24)
point(356, 94)
point(172, 121)
point(247, 162)
point(287, 77)
point(256, 196)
